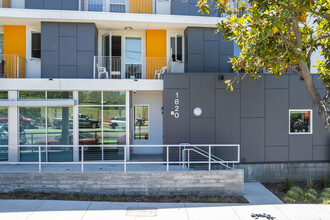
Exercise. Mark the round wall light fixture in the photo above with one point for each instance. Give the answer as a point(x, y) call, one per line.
point(197, 111)
point(128, 28)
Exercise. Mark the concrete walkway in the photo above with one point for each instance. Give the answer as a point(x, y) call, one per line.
point(263, 205)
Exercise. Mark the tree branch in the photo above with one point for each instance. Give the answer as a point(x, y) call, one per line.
point(326, 97)
point(312, 45)
point(297, 33)
point(321, 15)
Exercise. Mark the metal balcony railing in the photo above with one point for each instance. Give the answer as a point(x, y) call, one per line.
point(12, 66)
point(106, 67)
point(4, 3)
point(119, 6)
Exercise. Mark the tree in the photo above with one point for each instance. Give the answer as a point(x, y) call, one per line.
point(278, 35)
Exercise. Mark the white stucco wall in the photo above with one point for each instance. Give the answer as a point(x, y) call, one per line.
point(32, 65)
point(155, 102)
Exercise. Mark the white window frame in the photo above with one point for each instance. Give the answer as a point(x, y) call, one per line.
point(34, 32)
point(176, 48)
point(134, 122)
point(310, 118)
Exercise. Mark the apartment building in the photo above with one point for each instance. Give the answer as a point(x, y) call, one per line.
point(95, 75)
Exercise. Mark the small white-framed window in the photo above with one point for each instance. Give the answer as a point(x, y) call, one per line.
point(35, 52)
point(141, 122)
point(177, 48)
point(300, 121)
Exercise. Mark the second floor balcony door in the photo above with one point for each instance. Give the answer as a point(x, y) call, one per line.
point(133, 57)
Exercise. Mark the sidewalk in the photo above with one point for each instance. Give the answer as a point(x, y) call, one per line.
point(255, 193)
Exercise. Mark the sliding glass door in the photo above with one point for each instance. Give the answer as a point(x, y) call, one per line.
point(133, 57)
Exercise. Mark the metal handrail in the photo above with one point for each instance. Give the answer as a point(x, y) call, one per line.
point(81, 148)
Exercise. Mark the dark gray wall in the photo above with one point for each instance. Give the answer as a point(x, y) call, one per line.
point(206, 52)
point(188, 7)
point(255, 115)
point(68, 49)
point(52, 4)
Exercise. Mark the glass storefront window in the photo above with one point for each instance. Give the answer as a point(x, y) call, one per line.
point(89, 98)
point(90, 131)
point(114, 98)
point(3, 95)
point(32, 95)
point(59, 126)
point(114, 125)
point(3, 134)
point(141, 122)
point(59, 95)
point(32, 125)
point(300, 121)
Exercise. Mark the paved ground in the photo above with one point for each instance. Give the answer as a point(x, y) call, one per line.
point(263, 205)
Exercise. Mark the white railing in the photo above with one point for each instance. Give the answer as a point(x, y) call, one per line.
point(106, 67)
point(12, 66)
point(189, 157)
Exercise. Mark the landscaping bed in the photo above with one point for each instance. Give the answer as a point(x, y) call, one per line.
point(106, 198)
point(311, 192)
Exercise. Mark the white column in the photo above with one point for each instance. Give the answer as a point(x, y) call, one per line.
point(75, 128)
point(13, 129)
point(127, 124)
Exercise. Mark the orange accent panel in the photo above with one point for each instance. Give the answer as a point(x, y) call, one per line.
point(141, 6)
point(6, 3)
point(156, 51)
point(14, 43)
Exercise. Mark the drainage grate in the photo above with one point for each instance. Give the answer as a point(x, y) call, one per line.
point(141, 212)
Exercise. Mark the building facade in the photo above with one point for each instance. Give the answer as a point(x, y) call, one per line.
point(89, 73)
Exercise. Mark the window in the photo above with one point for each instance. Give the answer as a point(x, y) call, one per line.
point(95, 5)
point(1, 44)
point(3, 133)
point(133, 57)
point(118, 6)
point(177, 48)
point(32, 95)
point(35, 44)
point(141, 122)
point(300, 121)
point(59, 95)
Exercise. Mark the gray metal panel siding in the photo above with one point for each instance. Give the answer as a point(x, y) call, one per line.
point(321, 153)
point(227, 116)
point(176, 130)
point(86, 37)
point(172, 81)
point(53, 4)
point(68, 51)
point(225, 66)
point(85, 64)
point(276, 83)
point(211, 56)
point(70, 5)
point(252, 140)
point(195, 43)
point(75, 47)
point(68, 71)
point(301, 147)
point(68, 29)
point(318, 81)
point(225, 47)
point(277, 154)
point(277, 125)
point(299, 97)
point(202, 131)
point(220, 84)
point(49, 64)
point(202, 94)
point(49, 36)
point(180, 7)
point(195, 63)
point(34, 4)
point(252, 98)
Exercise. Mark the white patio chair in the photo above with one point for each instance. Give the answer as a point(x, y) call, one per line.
point(102, 72)
point(160, 73)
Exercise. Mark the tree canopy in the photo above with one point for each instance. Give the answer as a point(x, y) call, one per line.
point(278, 35)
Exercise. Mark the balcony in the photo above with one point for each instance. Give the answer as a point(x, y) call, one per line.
point(12, 66)
point(127, 6)
point(4, 3)
point(106, 67)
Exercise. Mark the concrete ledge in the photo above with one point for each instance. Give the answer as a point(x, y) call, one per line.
point(276, 172)
point(138, 183)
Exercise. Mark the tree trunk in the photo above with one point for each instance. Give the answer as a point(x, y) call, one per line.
point(320, 104)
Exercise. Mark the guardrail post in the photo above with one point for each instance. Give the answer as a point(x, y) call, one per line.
point(39, 148)
point(167, 159)
point(125, 159)
point(188, 160)
point(210, 157)
point(82, 159)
